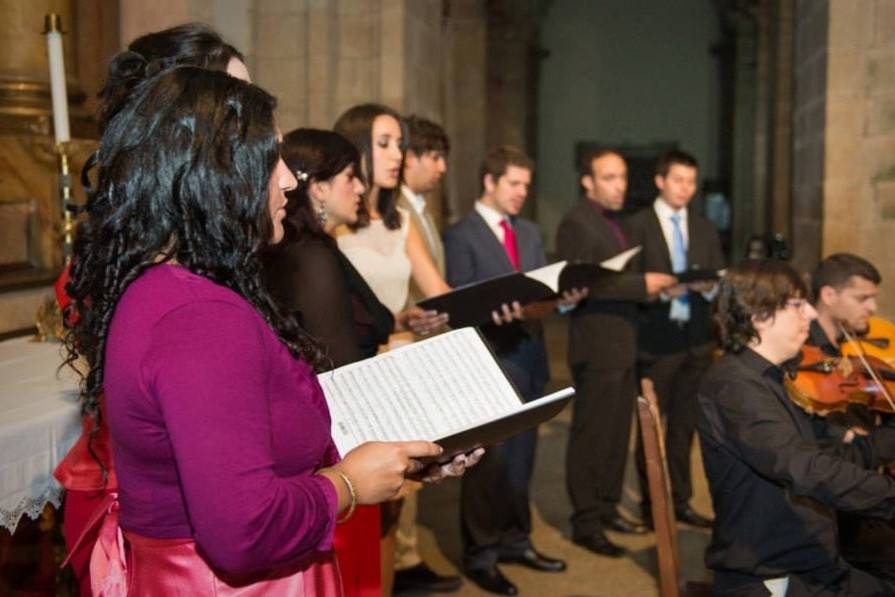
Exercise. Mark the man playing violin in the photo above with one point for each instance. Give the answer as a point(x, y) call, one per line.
point(777, 475)
point(845, 287)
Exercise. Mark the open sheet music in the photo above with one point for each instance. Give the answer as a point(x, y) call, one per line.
point(472, 304)
point(448, 389)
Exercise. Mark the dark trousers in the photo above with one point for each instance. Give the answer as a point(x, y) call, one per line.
point(494, 510)
point(495, 517)
point(598, 443)
point(676, 378)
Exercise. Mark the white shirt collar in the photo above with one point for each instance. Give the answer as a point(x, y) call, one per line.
point(664, 211)
point(416, 200)
point(491, 215)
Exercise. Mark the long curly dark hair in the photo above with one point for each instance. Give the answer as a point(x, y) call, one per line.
point(313, 155)
point(356, 125)
point(183, 172)
point(754, 288)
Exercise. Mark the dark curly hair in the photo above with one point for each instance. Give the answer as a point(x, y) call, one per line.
point(313, 155)
point(356, 125)
point(754, 288)
point(183, 172)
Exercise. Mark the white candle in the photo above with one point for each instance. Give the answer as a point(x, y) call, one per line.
point(57, 86)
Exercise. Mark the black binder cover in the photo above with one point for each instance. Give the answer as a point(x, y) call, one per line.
point(495, 431)
point(472, 304)
point(697, 275)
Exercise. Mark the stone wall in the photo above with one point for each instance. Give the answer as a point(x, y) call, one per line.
point(859, 162)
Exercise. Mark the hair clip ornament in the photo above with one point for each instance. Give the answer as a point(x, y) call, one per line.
point(301, 175)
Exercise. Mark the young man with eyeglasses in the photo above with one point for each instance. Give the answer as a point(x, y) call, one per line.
point(778, 475)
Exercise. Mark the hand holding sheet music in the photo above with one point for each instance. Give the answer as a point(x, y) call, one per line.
point(448, 389)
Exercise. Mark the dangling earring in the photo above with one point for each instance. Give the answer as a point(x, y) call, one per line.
point(321, 215)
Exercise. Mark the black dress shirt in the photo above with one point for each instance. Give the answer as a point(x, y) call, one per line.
point(777, 476)
point(818, 337)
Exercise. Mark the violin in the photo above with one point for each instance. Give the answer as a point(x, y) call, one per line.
point(825, 384)
point(878, 341)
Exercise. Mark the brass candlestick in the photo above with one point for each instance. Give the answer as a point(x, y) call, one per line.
point(67, 203)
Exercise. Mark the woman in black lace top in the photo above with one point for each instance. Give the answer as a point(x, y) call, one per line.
point(308, 273)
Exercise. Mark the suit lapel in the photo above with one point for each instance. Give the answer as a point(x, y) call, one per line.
point(694, 246)
point(527, 259)
point(656, 232)
point(488, 239)
point(601, 227)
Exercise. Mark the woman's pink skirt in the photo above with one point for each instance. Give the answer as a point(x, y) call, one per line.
point(127, 564)
point(172, 567)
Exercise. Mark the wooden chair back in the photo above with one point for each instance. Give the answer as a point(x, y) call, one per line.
point(659, 489)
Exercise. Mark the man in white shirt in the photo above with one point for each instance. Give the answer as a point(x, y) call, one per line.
point(675, 338)
point(492, 240)
point(425, 163)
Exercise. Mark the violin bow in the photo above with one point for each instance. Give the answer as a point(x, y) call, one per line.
point(870, 370)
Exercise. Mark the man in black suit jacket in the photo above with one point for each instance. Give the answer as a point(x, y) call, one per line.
point(675, 346)
point(494, 508)
point(602, 355)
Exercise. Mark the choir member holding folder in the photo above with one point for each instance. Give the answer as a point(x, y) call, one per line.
point(602, 352)
point(490, 241)
point(87, 472)
point(229, 478)
point(676, 340)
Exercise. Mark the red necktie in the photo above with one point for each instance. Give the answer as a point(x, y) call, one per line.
point(509, 243)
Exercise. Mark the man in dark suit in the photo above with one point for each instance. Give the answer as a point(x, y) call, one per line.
point(676, 344)
point(491, 241)
point(602, 354)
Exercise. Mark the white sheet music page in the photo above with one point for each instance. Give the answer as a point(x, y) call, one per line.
point(548, 275)
point(419, 391)
point(619, 262)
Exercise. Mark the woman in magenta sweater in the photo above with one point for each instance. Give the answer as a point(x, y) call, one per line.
point(229, 479)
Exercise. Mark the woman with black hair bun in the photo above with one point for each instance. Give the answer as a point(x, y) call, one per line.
point(86, 472)
point(230, 482)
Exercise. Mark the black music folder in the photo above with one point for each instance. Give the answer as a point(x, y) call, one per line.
point(697, 274)
point(448, 389)
point(472, 304)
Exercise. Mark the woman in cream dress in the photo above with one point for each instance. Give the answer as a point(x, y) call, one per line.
point(385, 246)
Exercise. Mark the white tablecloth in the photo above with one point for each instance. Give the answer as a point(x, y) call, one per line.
point(39, 422)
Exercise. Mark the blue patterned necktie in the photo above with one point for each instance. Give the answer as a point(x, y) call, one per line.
point(680, 307)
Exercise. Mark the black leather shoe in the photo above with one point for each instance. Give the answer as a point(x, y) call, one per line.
point(623, 525)
point(536, 561)
point(600, 544)
point(693, 518)
point(491, 579)
point(422, 579)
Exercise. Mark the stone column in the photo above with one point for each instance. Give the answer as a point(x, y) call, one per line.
point(780, 157)
point(465, 101)
point(809, 123)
